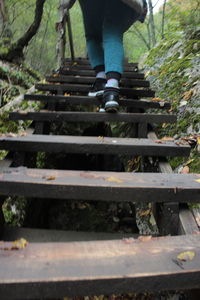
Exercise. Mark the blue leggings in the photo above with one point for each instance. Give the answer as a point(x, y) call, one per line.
point(105, 22)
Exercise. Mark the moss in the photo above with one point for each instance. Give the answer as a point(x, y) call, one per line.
point(195, 165)
point(159, 51)
point(193, 161)
point(192, 46)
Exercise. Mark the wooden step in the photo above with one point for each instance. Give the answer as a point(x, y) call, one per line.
point(127, 68)
point(100, 186)
point(90, 80)
point(57, 270)
point(60, 116)
point(85, 61)
point(85, 100)
point(93, 145)
point(80, 88)
point(92, 73)
point(44, 235)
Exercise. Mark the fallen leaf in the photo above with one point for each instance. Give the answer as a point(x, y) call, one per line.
point(20, 244)
point(187, 255)
point(185, 170)
point(167, 138)
point(50, 178)
point(81, 206)
point(10, 134)
point(128, 240)
point(183, 103)
point(198, 140)
point(114, 179)
point(145, 238)
point(144, 213)
point(197, 180)
point(157, 99)
point(189, 161)
point(67, 94)
point(87, 175)
point(159, 142)
point(16, 245)
point(23, 133)
point(187, 95)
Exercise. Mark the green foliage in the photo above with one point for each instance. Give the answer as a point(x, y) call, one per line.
point(14, 210)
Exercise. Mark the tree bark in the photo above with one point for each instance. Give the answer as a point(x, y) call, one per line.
point(163, 20)
point(151, 23)
point(61, 30)
point(16, 50)
point(5, 31)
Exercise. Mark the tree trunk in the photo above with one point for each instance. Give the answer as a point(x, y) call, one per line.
point(16, 50)
point(151, 23)
point(5, 31)
point(163, 20)
point(61, 30)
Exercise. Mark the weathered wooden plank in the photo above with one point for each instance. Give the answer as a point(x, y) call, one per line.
point(49, 235)
point(196, 213)
point(90, 80)
point(85, 89)
point(85, 100)
point(188, 224)
point(100, 145)
point(60, 116)
point(99, 186)
point(85, 61)
point(87, 67)
point(2, 221)
point(102, 267)
point(166, 211)
point(92, 73)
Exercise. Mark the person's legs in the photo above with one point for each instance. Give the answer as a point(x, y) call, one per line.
point(118, 18)
point(93, 16)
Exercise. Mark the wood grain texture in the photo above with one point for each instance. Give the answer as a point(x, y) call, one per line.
point(88, 144)
point(85, 100)
point(87, 67)
point(61, 116)
point(90, 80)
point(188, 223)
point(101, 267)
point(101, 186)
point(85, 89)
point(132, 75)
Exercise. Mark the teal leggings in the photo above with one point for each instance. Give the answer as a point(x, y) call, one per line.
point(105, 22)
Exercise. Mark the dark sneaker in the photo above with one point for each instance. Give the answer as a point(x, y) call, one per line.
point(97, 88)
point(111, 98)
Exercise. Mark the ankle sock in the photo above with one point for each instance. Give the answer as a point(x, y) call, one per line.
point(114, 83)
point(101, 74)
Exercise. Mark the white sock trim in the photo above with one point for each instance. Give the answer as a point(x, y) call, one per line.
point(101, 74)
point(112, 83)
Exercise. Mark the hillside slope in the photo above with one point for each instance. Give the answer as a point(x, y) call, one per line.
point(173, 68)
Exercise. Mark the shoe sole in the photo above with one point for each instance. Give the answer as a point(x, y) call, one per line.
point(111, 106)
point(96, 94)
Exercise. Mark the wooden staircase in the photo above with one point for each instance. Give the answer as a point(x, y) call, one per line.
point(56, 264)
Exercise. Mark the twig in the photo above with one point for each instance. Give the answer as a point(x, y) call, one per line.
point(16, 101)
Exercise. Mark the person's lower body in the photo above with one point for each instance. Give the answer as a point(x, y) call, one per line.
point(105, 22)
